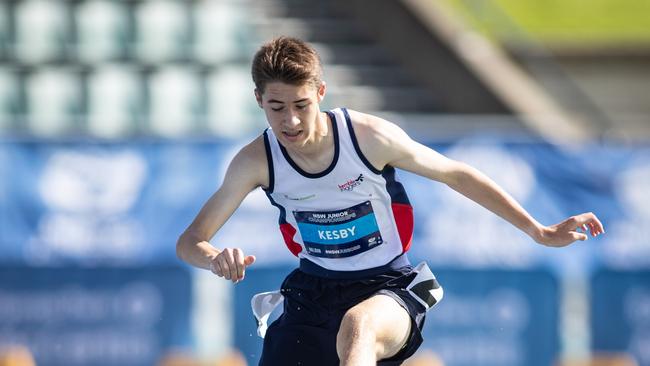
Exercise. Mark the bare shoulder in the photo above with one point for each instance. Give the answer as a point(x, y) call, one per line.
point(368, 126)
point(254, 152)
point(249, 166)
point(381, 141)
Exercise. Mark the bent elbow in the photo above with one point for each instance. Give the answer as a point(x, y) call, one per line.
point(180, 247)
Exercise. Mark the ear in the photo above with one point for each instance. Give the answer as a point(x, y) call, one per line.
point(258, 97)
point(321, 91)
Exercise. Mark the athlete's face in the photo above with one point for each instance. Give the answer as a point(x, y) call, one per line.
point(292, 111)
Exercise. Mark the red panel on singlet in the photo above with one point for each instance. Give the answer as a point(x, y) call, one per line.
point(288, 232)
point(403, 214)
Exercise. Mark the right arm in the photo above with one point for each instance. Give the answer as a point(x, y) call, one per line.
point(247, 171)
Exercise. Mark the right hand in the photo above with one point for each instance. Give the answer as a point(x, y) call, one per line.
point(231, 264)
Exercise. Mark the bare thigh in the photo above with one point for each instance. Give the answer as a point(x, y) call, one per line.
point(390, 322)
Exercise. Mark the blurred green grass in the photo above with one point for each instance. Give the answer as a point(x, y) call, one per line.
point(560, 21)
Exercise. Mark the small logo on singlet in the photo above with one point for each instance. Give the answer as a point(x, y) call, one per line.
point(300, 198)
point(351, 183)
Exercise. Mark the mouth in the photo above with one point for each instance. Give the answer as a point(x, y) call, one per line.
point(292, 134)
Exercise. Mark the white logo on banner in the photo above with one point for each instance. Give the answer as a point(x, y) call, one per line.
point(463, 232)
point(626, 244)
point(87, 196)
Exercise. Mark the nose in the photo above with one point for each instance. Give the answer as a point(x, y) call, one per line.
point(292, 119)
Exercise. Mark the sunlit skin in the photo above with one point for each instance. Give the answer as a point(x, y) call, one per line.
point(378, 327)
point(293, 112)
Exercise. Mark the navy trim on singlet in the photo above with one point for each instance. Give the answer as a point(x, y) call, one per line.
point(283, 212)
point(269, 161)
point(355, 143)
point(395, 189)
point(314, 269)
point(305, 174)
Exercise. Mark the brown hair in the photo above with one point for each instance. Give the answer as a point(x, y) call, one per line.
point(288, 60)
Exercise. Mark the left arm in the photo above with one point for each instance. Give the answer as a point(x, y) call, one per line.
point(384, 143)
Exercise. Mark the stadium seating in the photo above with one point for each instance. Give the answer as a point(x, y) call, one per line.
point(4, 30)
point(9, 97)
point(42, 30)
point(114, 69)
point(115, 101)
point(229, 107)
point(174, 110)
point(217, 31)
point(54, 97)
point(103, 30)
point(162, 30)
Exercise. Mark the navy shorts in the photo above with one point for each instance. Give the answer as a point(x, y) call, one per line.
point(305, 333)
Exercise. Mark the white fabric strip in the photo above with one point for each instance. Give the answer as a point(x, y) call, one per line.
point(424, 287)
point(263, 305)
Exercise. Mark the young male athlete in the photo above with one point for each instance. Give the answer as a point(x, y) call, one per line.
point(355, 299)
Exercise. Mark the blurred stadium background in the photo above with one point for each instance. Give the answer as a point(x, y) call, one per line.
point(118, 117)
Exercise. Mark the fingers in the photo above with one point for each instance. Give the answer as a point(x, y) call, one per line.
point(250, 259)
point(590, 223)
point(231, 264)
point(579, 236)
point(574, 228)
point(239, 265)
point(227, 261)
point(215, 268)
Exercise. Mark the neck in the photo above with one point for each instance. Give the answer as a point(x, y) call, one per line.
point(320, 140)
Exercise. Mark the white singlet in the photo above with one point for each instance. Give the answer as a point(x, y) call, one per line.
point(348, 217)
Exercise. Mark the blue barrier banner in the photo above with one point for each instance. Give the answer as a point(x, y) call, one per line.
point(125, 203)
point(98, 316)
point(102, 203)
point(620, 316)
point(487, 317)
point(495, 318)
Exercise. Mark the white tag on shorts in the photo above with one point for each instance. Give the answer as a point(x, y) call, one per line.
point(424, 287)
point(263, 305)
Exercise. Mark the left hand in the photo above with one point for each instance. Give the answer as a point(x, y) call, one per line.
point(567, 231)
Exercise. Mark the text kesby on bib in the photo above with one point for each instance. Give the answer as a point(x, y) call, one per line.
point(340, 233)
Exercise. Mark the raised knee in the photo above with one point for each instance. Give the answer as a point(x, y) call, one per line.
point(356, 326)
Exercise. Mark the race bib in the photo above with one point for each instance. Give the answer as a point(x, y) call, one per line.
point(341, 233)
